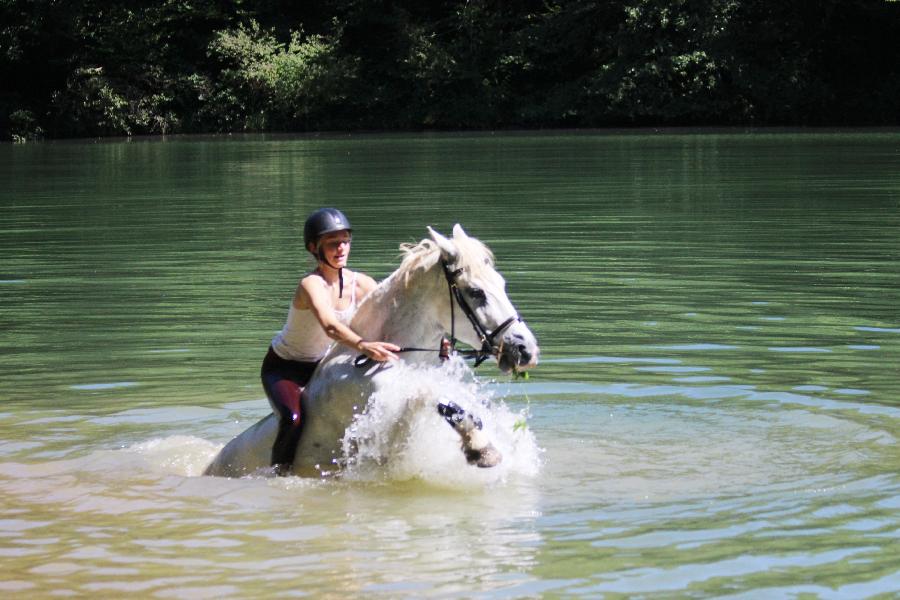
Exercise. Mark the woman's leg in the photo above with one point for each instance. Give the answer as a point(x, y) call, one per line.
point(284, 396)
point(283, 382)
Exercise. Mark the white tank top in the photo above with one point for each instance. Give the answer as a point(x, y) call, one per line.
point(302, 337)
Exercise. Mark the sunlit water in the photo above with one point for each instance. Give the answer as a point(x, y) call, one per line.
point(716, 411)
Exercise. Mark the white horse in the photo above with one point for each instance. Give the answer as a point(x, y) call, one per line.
point(441, 285)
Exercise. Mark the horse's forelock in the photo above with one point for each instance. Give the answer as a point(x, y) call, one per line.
point(474, 257)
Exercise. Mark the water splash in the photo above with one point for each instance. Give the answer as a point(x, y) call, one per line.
point(178, 454)
point(400, 435)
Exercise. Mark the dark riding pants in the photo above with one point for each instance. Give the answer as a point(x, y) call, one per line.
point(284, 380)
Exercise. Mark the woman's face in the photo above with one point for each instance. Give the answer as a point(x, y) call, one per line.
point(335, 247)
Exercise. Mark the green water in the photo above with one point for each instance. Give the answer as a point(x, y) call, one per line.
point(718, 399)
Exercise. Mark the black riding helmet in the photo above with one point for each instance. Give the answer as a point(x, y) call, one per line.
point(320, 222)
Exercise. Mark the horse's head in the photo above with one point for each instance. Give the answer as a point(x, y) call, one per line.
point(483, 314)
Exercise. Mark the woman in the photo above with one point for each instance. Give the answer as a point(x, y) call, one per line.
point(320, 314)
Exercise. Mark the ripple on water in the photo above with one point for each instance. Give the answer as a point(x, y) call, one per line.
point(104, 386)
point(879, 329)
point(652, 443)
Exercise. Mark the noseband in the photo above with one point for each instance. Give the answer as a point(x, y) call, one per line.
point(489, 345)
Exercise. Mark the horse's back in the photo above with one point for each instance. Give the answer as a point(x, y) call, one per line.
point(337, 392)
point(247, 453)
point(328, 405)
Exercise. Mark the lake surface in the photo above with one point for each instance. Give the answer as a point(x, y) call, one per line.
point(716, 411)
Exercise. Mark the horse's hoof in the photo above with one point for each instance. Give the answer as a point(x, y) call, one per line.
point(457, 417)
point(485, 458)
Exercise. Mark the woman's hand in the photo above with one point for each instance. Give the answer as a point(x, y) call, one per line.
point(380, 351)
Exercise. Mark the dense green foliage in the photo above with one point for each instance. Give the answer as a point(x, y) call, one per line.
point(94, 67)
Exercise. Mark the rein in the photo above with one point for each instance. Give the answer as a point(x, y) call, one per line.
point(489, 345)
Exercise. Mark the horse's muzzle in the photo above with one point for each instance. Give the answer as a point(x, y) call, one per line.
point(519, 350)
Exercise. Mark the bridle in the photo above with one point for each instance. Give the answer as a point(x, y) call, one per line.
point(489, 344)
point(488, 339)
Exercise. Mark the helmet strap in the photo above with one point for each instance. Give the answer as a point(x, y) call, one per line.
point(321, 256)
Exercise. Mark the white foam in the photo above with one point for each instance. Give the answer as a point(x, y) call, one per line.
point(178, 454)
point(401, 436)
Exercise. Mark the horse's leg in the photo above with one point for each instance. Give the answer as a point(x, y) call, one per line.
point(475, 444)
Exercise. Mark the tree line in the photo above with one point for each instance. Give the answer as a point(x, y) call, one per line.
point(78, 68)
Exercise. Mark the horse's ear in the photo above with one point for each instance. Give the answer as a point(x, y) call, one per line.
point(448, 250)
point(459, 233)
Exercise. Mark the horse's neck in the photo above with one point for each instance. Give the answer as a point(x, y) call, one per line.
point(406, 315)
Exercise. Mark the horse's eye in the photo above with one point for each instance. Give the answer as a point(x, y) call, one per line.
point(477, 295)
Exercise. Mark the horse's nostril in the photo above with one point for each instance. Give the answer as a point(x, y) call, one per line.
point(524, 355)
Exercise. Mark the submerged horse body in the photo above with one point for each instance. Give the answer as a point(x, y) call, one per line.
point(413, 309)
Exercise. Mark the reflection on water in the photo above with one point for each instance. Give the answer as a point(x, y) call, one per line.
point(716, 411)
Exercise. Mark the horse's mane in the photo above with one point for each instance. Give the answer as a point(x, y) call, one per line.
point(473, 256)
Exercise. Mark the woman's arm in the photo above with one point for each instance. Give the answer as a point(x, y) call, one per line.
point(313, 294)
